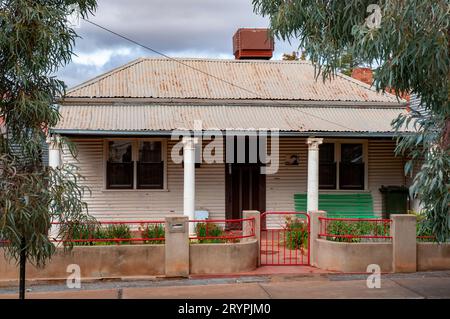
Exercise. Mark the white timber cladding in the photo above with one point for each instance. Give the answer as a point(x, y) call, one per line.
point(290, 179)
point(146, 204)
point(383, 169)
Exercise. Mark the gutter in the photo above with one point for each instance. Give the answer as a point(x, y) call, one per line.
point(68, 101)
point(103, 133)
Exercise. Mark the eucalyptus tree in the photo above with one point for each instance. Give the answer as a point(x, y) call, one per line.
point(408, 41)
point(36, 39)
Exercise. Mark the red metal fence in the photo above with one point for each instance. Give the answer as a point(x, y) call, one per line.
point(222, 230)
point(151, 232)
point(426, 238)
point(285, 238)
point(355, 229)
point(113, 232)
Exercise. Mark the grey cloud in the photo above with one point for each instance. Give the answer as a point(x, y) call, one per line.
point(170, 25)
point(74, 73)
point(204, 27)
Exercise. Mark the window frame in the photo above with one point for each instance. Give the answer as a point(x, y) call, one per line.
point(135, 159)
point(337, 157)
point(107, 160)
point(139, 142)
point(334, 162)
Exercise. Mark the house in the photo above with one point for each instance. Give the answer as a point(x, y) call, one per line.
point(16, 150)
point(332, 141)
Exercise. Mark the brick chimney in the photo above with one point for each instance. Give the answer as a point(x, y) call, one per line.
point(253, 44)
point(366, 75)
point(363, 74)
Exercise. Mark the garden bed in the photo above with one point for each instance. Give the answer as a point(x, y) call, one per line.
point(355, 230)
point(113, 233)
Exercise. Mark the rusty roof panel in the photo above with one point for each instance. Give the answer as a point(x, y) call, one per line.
point(152, 117)
point(225, 79)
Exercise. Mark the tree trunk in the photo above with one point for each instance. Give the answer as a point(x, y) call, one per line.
point(23, 262)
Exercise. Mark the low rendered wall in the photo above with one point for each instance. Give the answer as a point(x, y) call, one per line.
point(433, 256)
point(353, 257)
point(95, 262)
point(223, 258)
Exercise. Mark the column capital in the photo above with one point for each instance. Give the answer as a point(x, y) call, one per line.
point(314, 142)
point(53, 141)
point(190, 142)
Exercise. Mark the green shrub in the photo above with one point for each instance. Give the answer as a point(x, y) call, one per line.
point(154, 231)
point(76, 231)
point(356, 228)
point(423, 228)
point(80, 231)
point(296, 233)
point(209, 230)
point(116, 231)
point(337, 227)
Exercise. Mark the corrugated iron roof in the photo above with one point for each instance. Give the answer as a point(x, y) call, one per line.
point(156, 117)
point(225, 79)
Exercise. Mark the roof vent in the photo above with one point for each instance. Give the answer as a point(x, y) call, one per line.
point(253, 44)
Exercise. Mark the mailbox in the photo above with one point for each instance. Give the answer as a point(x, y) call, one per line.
point(177, 226)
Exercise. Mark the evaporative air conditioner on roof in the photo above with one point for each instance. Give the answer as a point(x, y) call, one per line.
point(253, 44)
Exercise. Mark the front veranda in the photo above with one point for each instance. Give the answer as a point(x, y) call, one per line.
point(137, 178)
point(137, 185)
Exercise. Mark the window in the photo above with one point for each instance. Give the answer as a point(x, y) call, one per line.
point(135, 164)
point(351, 168)
point(327, 166)
point(349, 158)
point(150, 168)
point(119, 165)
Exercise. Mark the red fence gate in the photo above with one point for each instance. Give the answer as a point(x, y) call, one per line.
point(284, 238)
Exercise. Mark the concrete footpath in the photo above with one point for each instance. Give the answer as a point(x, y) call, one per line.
point(290, 286)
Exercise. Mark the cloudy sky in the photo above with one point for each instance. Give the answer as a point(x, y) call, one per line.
point(178, 28)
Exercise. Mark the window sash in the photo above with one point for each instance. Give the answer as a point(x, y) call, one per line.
point(351, 175)
point(326, 153)
point(327, 175)
point(151, 156)
point(119, 175)
point(121, 155)
point(327, 166)
point(352, 153)
point(150, 175)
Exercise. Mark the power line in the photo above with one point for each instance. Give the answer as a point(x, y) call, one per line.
point(168, 57)
point(203, 72)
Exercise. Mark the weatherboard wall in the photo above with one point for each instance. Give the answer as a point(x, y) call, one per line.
point(383, 169)
point(146, 204)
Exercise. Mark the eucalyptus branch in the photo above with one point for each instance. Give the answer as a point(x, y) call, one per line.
point(35, 41)
point(411, 46)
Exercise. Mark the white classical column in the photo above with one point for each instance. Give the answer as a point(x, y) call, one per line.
point(313, 174)
point(54, 154)
point(54, 161)
point(189, 179)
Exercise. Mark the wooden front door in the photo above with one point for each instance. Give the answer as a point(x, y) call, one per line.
point(245, 189)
